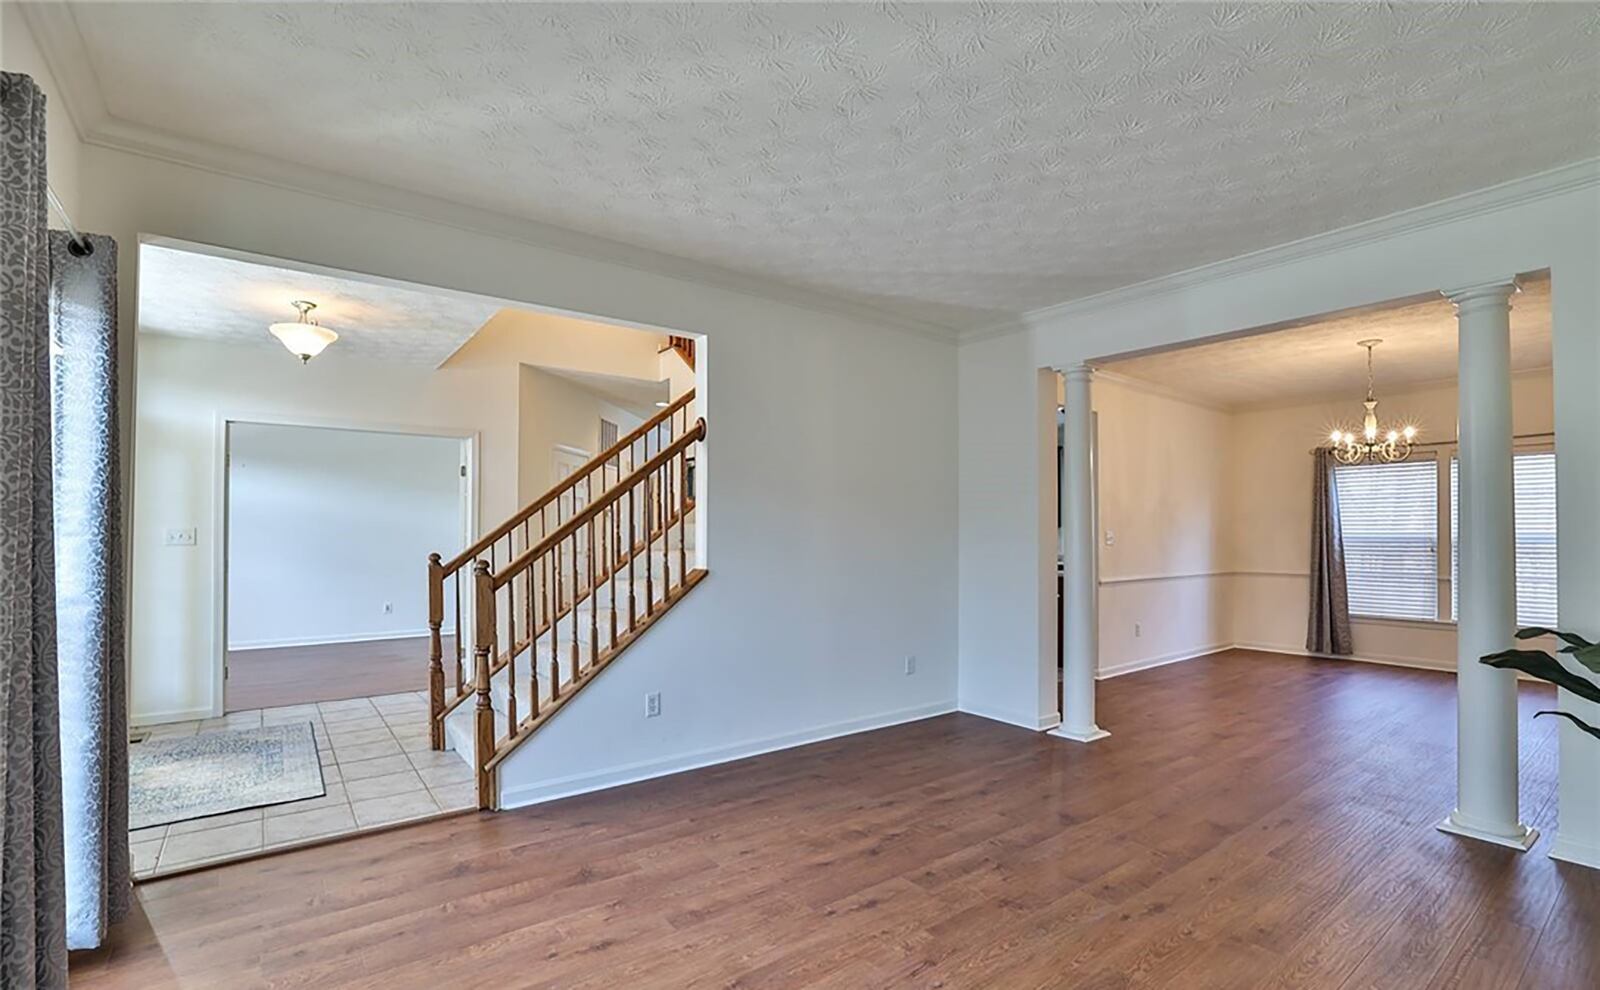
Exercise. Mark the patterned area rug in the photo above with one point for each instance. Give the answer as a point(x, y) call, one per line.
point(177, 778)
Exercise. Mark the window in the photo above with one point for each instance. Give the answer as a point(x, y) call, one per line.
point(1390, 517)
point(1534, 516)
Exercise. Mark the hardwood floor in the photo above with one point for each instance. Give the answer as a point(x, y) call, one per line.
point(1253, 821)
point(299, 675)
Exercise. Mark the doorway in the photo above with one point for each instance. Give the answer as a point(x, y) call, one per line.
point(326, 533)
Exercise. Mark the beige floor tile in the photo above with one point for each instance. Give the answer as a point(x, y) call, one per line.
point(365, 751)
point(413, 742)
point(309, 711)
point(373, 768)
point(453, 797)
point(355, 737)
point(172, 729)
point(395, 808)
point(352, 720)
point(382, 700)
point(331, 774)
point(430, 758)
point(146, 834)
point(333, 798)
point(310, 824)
point(348, 704)
point(214, 821)
point(390, 783)
point(209, 844)
point(439, 776)
point(325, 756)
point(144, 855)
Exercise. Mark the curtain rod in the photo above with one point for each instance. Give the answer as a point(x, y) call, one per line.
point(77, 243)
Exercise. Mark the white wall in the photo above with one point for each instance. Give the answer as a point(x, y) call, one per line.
point(19, 53)
point(1165, 474)
point(326, 527)
point(832, 543)
point(1552, 222)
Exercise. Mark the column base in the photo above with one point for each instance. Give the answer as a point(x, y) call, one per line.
point(1521, 843)
point(1093, 733)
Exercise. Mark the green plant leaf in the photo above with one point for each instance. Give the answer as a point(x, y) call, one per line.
point(1542, 665)
point(1575, 720)
point(1589, 656)
point(1571, 639)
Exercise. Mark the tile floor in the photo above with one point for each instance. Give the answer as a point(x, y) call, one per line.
point(376, 765)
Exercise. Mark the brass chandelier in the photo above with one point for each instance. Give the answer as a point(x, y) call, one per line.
point(1373, 444)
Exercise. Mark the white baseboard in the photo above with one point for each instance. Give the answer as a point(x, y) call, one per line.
point(1412, 663)
point(273, 644)
point(140, 720)
point(1146, 663)
point(1572, 851)
point(1034, 723)
point(563, 787)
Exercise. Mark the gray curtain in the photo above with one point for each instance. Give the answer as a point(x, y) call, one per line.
point(33, 945)
point(89, 616)
point(1328, 626)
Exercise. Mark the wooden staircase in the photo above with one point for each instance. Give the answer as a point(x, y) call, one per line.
point(544, 602)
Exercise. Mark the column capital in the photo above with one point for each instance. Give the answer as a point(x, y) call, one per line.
point(1497, 292)
point(1078, 372)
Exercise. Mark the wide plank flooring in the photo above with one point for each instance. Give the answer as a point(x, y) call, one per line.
point(301, 675)
point(1254, 821)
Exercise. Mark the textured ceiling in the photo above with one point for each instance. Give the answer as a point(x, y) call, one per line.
point(633, 394)
point(952, 162)
point(1321, 359)
point(188, 294)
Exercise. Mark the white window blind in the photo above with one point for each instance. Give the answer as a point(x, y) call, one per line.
point(1389, 514)
point(1534, 515)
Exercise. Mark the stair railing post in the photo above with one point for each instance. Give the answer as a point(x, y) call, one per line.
point(483, 581)
point(435, 652)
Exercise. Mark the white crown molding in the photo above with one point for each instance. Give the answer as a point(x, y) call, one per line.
point(1157, 389)
point(61, 43)
point(1541, 185)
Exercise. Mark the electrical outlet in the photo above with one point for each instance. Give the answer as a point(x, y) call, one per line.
point(652, 704)
point(388, 608)
point(911, 665)
point(1111, 537)
point(1138, 630)
point(181, 537)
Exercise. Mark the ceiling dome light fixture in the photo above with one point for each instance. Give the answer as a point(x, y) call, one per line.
point(304, 338)
point(1373, 443)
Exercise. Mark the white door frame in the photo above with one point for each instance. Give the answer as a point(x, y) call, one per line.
point(469, 439)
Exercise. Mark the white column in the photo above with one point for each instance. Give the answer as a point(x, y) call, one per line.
point(1079, 624)
point(1486, 698)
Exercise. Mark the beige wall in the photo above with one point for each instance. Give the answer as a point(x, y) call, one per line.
point(554, 411)
point(1211, 516)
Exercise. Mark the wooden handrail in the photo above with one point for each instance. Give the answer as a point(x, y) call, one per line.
point(594, 464)
point(581, 518)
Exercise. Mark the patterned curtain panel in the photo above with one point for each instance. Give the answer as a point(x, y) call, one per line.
point(1328, 626)
point(89, 615)
point(33, 944)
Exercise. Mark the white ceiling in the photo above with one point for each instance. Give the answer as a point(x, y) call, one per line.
point(1321, 359)
point(190, 294)
point(633, 394)
point(950, 162)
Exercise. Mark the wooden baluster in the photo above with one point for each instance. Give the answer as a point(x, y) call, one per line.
point(435, 652)
point(683, 515)
point(612, 565)
point(633, 562)
point(511, 655)
point(483, 635)
point(649, 575)
point(554, 604)
point(594, 600)
point(533, 654)
point(574, 613)
point(460, 646)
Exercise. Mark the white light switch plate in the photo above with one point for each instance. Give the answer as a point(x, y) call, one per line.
point(181, 537)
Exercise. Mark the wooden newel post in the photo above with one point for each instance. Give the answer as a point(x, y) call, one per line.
point(483, 636)
point(435, 652)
